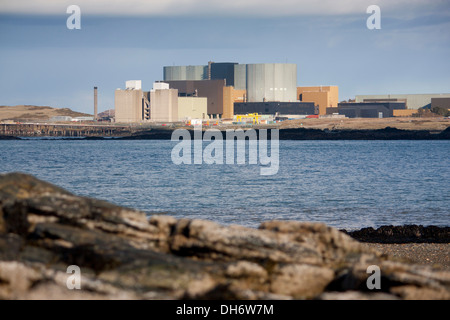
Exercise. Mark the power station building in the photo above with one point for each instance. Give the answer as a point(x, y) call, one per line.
point(131, 104)
point(262, 82)
point(221, 91)
point(440, 103)
point(273, 108)
point(413, 101)
point(220, 98)
point(192, 108)
point(271, 82)
point(323, 97)
point(185, 73)
point(163, 103)
point(367, 109)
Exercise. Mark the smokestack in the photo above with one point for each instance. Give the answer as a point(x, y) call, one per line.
point(95, 103)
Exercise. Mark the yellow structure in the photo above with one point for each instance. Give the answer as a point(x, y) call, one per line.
point(230, 96)
point(323, 96)
point(254, 117)
point(404, 112)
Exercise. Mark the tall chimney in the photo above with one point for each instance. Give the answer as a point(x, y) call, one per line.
point(95, 103)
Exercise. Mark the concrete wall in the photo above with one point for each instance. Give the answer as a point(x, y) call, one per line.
point(164, 105)
point(172, 73)
point(192, 108)
point(133, 84)
point(271, 82)
point(128, 105)
point(413, 101)
point(240, 77)
point(333, 99)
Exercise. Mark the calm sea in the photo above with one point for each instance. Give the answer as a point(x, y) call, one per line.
point(345, 184)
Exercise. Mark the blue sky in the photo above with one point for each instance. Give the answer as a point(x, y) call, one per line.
point(44, 63)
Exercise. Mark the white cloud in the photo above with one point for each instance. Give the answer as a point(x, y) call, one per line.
point(210, 7)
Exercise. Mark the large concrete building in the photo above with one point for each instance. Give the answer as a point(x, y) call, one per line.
point(271, 82)
point(262, 82)
point(323, 96)
point(212, 71)
point(413, 101)
point(220, 98)
point(163, 103)
point(131, 104)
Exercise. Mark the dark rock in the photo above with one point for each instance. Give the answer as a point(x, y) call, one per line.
point(387, 133)
point(445, 134)
point(403, 234)
point(123, 255)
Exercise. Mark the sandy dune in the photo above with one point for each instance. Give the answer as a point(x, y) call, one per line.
point(35, 113)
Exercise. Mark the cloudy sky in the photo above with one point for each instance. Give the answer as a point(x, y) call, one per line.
point(44, 63)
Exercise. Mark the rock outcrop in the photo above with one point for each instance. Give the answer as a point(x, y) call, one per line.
point(402, 234)
point(123, 254)
point(387, 133)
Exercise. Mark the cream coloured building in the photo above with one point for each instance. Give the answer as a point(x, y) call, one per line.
point(192, 108)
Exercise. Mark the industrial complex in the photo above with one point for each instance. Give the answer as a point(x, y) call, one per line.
point(230, 92)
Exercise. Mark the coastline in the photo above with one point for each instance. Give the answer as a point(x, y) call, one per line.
point(388, 133)
point(428, 245)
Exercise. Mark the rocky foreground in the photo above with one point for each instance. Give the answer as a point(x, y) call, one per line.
point(124, 255)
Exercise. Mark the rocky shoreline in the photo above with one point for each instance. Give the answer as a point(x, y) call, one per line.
point(287, 134)
point(124, 255)
point(317, 134)
point(402, 234)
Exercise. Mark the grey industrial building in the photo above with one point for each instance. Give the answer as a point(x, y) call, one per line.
point(271, 82)
point(367, 109)
point(272, 108)
point(221, 71)
point(263, 81)
point(413, 101)
point(186, 73)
